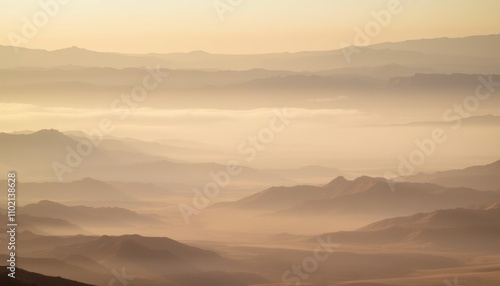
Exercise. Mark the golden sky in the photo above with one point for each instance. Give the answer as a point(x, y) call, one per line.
point(250, 26)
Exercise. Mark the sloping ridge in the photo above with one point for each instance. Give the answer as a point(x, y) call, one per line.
point(464, 229)
point(362, 196)
point(139, 250)
point(87, 215)
point(276, 198)
point(26, 278)
point(485, 177)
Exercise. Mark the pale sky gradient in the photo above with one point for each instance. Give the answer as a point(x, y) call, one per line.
point(255, 26)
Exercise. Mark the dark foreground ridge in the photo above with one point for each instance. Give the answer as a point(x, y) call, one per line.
point(25, 278)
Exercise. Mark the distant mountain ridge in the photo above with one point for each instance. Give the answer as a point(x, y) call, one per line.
point(464, 46)
point(361, 196)
point(22, 153)
point(162, 254)
point(88, 216)
point(429, 52)
point(485, 177)
point(451, 229)
point(48, 225)
point(114, 161)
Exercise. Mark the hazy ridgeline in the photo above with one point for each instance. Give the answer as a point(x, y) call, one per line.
point(266, 169)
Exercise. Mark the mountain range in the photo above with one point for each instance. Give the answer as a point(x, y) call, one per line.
point(485, 177)
point(107, 217)
point(362, 196)
point(460, 229)
point(429, 53)
point(124, 161)
point(164, 261)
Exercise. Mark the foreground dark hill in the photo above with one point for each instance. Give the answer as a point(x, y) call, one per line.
point(26, 278)
point(362, 196)
point(485, 177)
point(452, 230)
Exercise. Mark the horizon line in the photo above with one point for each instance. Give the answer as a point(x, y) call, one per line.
point(248, 54)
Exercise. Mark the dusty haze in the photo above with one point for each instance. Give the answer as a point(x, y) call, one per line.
point(251, 143)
